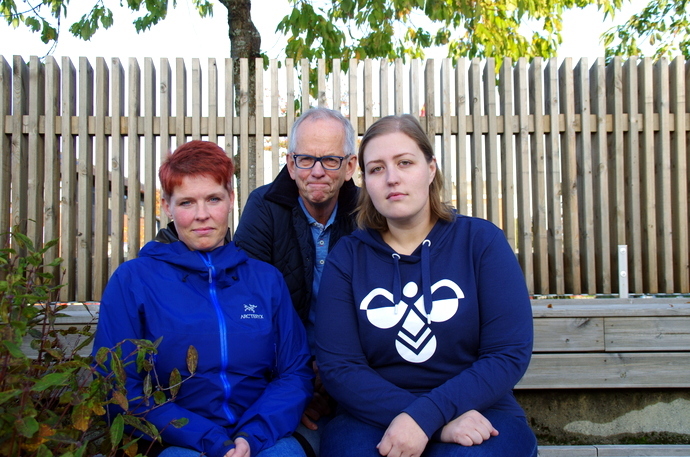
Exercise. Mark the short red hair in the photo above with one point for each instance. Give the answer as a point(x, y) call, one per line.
point(196, 158)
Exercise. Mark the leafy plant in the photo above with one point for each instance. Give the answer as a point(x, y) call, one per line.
point(53, 400)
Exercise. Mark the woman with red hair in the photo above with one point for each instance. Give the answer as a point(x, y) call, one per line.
point(193, 286)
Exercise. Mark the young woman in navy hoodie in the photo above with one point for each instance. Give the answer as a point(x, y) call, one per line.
point(193, 286)
point(424, 324)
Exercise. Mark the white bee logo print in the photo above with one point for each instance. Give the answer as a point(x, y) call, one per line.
point(415, 342)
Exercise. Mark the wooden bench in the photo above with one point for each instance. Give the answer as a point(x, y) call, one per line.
point(587, 344)
point(610, 343)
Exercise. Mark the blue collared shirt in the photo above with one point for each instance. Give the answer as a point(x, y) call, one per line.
point(321, 235)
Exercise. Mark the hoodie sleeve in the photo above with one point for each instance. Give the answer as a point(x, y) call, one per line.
point(119, 319)
point(343, 366)
point(277, 412)
point(505, 346)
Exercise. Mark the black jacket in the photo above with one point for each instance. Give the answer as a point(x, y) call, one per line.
point(273, 228)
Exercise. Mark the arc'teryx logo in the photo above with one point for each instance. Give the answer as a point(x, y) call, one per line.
point(250, 312)
point(415, 342)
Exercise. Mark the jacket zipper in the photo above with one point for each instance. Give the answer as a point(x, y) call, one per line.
point(222, 330)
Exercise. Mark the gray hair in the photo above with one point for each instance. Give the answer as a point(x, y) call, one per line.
point(324, 113)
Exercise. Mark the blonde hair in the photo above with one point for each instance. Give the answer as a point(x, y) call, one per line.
point(367, 214)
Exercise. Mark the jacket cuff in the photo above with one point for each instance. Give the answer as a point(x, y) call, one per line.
point(427, 415)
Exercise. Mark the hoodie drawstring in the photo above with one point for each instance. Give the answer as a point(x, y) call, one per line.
point(396, 282)
point(426, 279)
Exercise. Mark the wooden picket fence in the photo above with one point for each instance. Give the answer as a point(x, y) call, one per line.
point(571, 159)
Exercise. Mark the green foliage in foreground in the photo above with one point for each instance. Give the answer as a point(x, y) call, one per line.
point(52, 399)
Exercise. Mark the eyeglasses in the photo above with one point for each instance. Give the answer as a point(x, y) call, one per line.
point(327, 162)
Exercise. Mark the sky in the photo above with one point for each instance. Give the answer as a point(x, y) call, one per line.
point(184, 34)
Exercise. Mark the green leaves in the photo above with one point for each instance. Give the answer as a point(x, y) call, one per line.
point(662, 28)
point(53, 400)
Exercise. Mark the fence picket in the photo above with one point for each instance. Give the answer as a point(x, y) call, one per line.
point(680, 162)
point(538, 176)
point(101, 181)
point(52, 160)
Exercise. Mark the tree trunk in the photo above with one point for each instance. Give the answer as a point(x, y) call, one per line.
point(245, 41)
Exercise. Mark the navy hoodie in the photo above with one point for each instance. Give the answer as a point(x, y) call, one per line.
point(253, 378)
point(434, 334)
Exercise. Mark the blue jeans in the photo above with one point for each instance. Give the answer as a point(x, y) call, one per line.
point(285, 447)
point(345, 436)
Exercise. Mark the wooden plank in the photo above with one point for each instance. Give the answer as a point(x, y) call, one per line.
point(196, 98)
point(275, 120)
point(5, 145)
point(583, 158)
point(149, 163)
point(133, 182)
point(647, 333)
point(398, 84)
point(647, 171)
point(180, 103)
point(680, 180)
point(85, 184)
point(631, 163)
point(259, 126)
point(600, 181)
point(567, 451)
point(491, 174)
point(36, 152)
point(290, 92)
point(462, 179)
point(609, 370)
point(101, 181)
point(213, 93)
point(553, 179)
point(305, 70)
point(414, 87)
point(616, 148)
point(429, 120)
point(117, 167)
point(510, 97)
point(384, 91)
point(446, 153)
point(19, 153)
point(165, 110)
point(476, 157)
point(611, 307)
point(571, 205)
point(578, 334)
point(642, 450)
point(353, 89)
point(540, 276)
point(52, 160)
point(321, 97)
point(368, 89)
point(521, 164)
point(337, 89)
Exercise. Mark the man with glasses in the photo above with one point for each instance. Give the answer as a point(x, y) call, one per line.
point(293, 222)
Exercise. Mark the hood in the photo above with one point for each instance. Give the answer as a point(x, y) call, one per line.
point(421, 257)
point(167, 248)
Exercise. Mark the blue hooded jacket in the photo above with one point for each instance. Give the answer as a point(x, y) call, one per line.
point(253, 379)
point(434, 334)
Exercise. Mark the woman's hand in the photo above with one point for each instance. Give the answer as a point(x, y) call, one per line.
point(241, 449)
point(468, 429)
point(319, 405)
point(403, 438)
